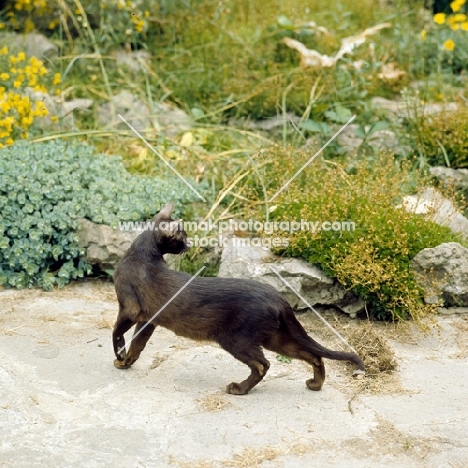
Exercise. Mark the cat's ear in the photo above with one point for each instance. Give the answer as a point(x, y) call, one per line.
point(169, 228)
point(166, 211)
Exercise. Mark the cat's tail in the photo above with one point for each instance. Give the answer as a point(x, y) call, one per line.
point(297, 331)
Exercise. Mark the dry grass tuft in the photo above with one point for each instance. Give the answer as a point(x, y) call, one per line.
point(191, 464)
point(373, 350)
point(299, 449)
point(369, 339)
point(157, 360)
point(252, 457)
point(104, 323)
point(216, 402)
point(461, 334)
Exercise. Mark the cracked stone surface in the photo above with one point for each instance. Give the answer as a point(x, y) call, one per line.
point(63, 403)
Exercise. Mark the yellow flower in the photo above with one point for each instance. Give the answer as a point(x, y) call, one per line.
point(5, 107)
point(459, 17)
point(57, 79)
point(21, 56)
point(449, 45)
point(423, 35)
point(17, 84)
point(9, 141)
point(28, 26)
point(455, 27)
point(464, 26)
point(35, 62)
point(27, 121)
point(54, 118)
point(4, 50)
point(456, 5)
point(4, 76)
point(439, 18)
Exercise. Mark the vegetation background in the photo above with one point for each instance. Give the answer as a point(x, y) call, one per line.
point(227, 65)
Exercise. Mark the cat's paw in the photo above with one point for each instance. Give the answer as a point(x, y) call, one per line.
point(313, 385)
point(235, 389)
point(121, 364)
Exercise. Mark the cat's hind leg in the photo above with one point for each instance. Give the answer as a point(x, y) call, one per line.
point(283, 344)
point(251, 355)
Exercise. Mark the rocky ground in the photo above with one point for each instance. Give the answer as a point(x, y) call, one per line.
point(63, 403)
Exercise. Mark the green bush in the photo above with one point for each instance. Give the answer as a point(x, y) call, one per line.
point(373, 260)
point(45, 188)
point(442, 138)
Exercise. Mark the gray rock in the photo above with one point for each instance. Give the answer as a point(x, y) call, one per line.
point(239, 260)
point(104, 245)
point(348, 138)
point(437, 209)
point(402, 110)
point(449, 176)
point(170, 120)
point(443, 274)
point(275, 122)
point(59, 108)
point(32, 44)
point(452, 310)
point(163, 117)
point(39, 46)
point(132, 109)
point(382, 139)
point(132, 59)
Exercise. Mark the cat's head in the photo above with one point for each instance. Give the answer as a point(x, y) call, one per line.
point(170, 235)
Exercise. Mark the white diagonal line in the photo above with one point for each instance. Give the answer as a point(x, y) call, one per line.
point(157, 153)
point(163, 307)
point(311, 159)
point(313, 310)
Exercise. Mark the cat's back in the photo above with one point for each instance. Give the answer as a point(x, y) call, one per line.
point(235, 290)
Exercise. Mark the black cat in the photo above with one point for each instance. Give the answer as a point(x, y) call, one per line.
point(241, 315)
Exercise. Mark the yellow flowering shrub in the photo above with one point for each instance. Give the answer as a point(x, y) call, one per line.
point(127, 18)
point(455, 21)
point(17, 110)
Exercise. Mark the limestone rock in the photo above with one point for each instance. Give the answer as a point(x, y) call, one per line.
point(32, 44)
point(130, 107)
point(382, 139)
point(132, 59)
point(443, 273)
point(273, 123)
point(104, 245)
point(452, 310)
point(447, 176)
point(437, 209)
point(162, 117)
point(402, 110)
point(57, 107)
point(239, 260)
